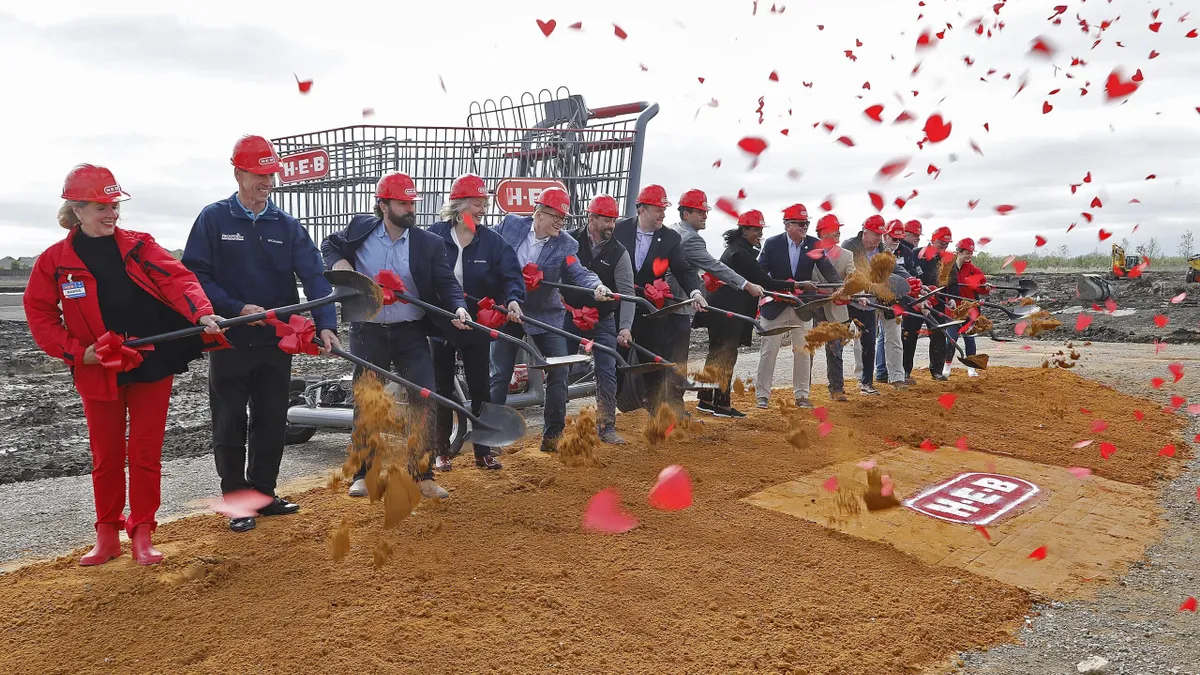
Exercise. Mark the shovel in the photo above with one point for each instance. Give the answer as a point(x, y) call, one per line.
point(758, 328)
point(976, 361)
point(1024, 287)
point(360, 298)
point(497, 426)
point(641, 302)
point(539, 362)
point(689, 383)
point(1021, 312)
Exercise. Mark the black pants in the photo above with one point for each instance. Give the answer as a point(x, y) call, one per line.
point(667, 337)
point(404, 349)
point(258, 377)
point(477, 363)
point(867, 339)
point(910, 331)
point(724, 335)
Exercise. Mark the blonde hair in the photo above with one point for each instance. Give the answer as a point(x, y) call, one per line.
point(452, 209)
point(66, 214)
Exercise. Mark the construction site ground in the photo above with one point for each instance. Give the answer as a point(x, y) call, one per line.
point(502, 578)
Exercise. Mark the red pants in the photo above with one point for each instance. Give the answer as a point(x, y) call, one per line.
point(146, 404)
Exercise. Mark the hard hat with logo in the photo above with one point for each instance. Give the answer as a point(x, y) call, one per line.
point(913, 227)
point(256, 155)
point(653, 195)
point(795, 212)
point(604, 205)
point(967, 244)
point(397, 186)
point(875, 224)
point(828, 223)
point(555, 198)
point(91, 183)
point(752, 218)
point(467, 186)
point(942, 234)
point(895, 229)
point(694, 199)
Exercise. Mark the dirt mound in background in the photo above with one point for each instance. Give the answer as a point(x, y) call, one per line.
point(502, 579)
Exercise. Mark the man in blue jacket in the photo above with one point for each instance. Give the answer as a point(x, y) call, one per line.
point(247, 254)
point(398, 337)
point(787, 257)
point(539, 240)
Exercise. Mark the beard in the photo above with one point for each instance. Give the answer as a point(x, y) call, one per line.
point(403, 222)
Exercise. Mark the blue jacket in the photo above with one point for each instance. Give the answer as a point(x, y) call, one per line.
point(909, 262)
point(545, 304)
point(427, 255)
point(775, 259)
point(242, 262)
point(489, 269)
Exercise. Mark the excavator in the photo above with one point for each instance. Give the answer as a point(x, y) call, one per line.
point(1121, 263)
point(1193, 271)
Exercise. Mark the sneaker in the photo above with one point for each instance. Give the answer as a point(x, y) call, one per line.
point(868, 390)
point(899, 385)
point(729, 412)
point(939, 377)
point(971, 372)
point(838, 396)
point(946, 370)
point(610, 436)
point(488, 462)
point(432, 490)
point(279, 507)
point(763, 404)
point(706, 406)
point(442, 464)
point(549, 444)
point(909, 381)
point(803, 402)
point(358, 488)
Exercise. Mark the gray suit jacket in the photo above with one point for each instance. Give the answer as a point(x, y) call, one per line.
point(699, 260)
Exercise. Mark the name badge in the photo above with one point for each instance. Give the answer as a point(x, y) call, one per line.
point(73, 290)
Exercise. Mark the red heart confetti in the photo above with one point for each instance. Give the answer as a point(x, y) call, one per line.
point(1179, 298)
point(821, 413)
point(1189, 605)
point(947, 400)
point(936, 129)
point(1104, 234)
point(874, 112)
point(928, 445)
point(892, 168)
point(618, 32)
point(1005, 209)
point(1039, 553)
point(1157, 382)
point(824, 428)
point(1116, 87)
point(827, 205)
point(1161, 321)
point(1039, 240)
point(1176, 369)
point(983, 530)
point(1082, 322)
point(1079, 472)
point(846, 141)
point(660, 266)
point(1139, 415)
point(774, 77)
point(1099, 426)
point(753, 145)
point(673, 491)
point(578, 25)
point(1107, 450)
point(1041, 47)
point(725, 205)
point(1019, 266)
point(961, 443)
point(304, 85)
point(1167, 451)
point(830, 485)
point(604, 513)
point(1046, 107)
point(876, 200)
point(547, 26)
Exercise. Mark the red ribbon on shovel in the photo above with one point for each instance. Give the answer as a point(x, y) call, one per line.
point(489, 316)
point(657, 292)
point(391, 284)
point(114, 355)
point(711, 283)
point(533, 276)
point(296, 334)
point(585, 318)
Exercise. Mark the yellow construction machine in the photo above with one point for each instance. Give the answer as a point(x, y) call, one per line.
point(1121, 263)
point(1193, 271)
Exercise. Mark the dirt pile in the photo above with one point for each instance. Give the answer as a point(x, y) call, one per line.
point(658, 428)
point(825, 332)
point(580, 442)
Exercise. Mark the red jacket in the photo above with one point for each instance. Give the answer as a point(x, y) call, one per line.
point(65, 327)
point(971, 281)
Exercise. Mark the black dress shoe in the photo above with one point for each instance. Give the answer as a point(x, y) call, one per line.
point(279, 507)
point(242, 524)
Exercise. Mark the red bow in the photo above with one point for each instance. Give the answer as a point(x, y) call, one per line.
point(296, 335)
point(391, 284)
point(974, 281)
point(114, 355)
point(533, 276)
point(585, 318)
point(711, 283)
point(489, 316)
point(914, 287)
point(657, 292)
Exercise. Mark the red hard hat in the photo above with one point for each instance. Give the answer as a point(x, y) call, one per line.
point(795, 212)
point(604, 205)
point(397, 186)
point(913, 227)
point(653, 195)
point(875, 224)
point(828, 223)
point(694, 199)
point(90, 183)
point(752, 218)
point(942, 234)
point(895, 229)
point(467, 186)
point(967, 244)
point(555, 198)
point(256, 155)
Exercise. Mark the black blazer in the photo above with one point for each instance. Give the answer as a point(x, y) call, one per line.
point(666, 244)
point(742, 258)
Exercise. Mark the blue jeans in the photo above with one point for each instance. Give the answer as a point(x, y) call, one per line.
point(603, 333)
point(403, 348)
point(881, 374)
point(504, 358)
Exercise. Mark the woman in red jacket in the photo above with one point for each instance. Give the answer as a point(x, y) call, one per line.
point(86, 295)
point(972, 283)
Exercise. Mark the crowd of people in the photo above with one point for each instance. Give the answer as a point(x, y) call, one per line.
point(102, 285)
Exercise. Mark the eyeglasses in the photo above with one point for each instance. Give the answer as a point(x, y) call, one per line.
point(802, 224)
point(557, 220)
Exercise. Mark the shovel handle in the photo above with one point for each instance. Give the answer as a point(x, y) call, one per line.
point(1011, 314)
point(281, 312)
point(614, 297)
point(734, 315)
point(558, 331)
point(492, 333)
point(649, 354)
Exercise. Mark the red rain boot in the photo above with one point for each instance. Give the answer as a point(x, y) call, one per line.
point(144, 552)
point(108, 546)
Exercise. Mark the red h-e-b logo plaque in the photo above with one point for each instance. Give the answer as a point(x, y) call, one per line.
point(973, 498)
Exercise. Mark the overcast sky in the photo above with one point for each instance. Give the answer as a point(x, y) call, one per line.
point(159, 92)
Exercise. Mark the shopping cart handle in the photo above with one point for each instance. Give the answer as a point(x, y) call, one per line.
point(617, 110)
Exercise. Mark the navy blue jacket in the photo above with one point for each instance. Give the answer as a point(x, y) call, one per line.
point(775, 260)
point(909, 261)
point(489, 270)
point(427, 259)
point(242, 262)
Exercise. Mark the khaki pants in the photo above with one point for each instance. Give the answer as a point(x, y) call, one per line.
point(893, 348)
point(768, 350)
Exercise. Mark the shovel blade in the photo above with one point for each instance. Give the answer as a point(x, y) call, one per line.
point(1022, 311)
point(361, 298)
point(551, 362)
point(978, 361)
point(499, 426)
point(693, 385)
point(644, 367)
point(668, 309)
point(774, 331)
